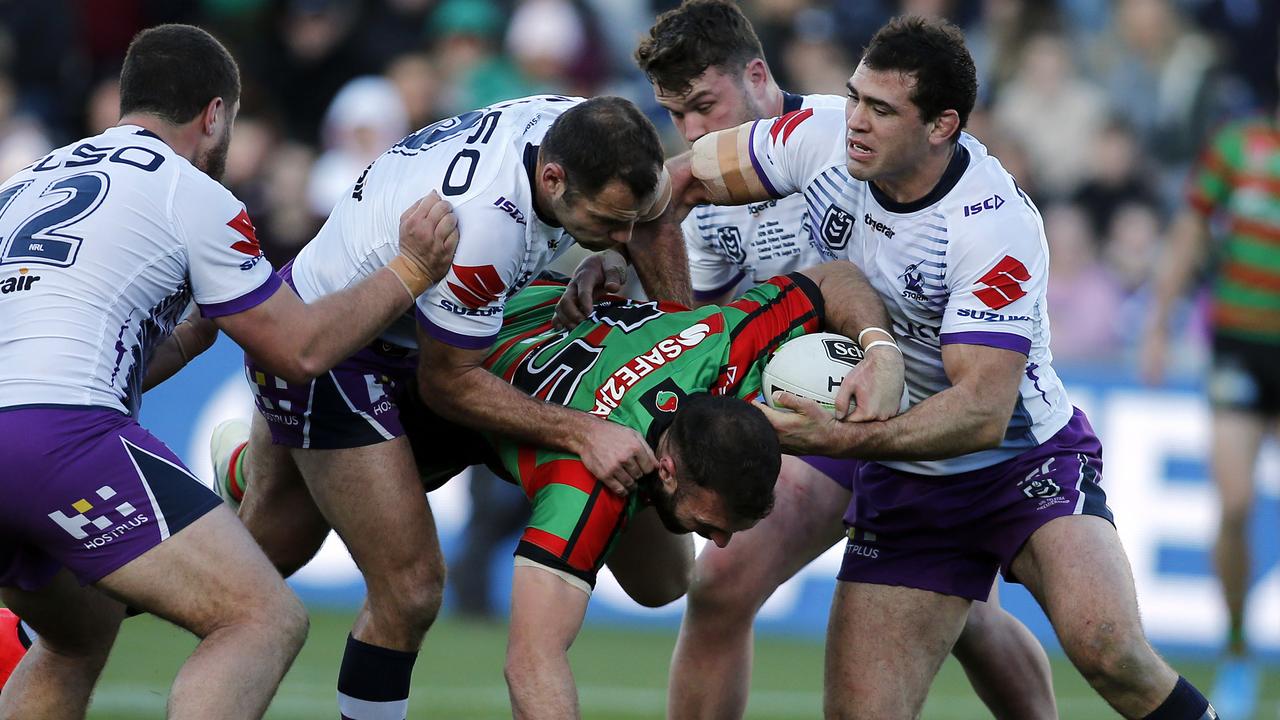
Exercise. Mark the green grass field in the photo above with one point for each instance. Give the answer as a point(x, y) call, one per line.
point(620, 673)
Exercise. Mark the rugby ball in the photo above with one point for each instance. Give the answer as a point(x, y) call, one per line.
point(810, 366)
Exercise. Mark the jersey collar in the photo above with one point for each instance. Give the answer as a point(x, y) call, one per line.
point(791, 102)
point(531, 169)
point(955, 170)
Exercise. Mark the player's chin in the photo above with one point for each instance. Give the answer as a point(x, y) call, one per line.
point(596, 244)
point(859, 170)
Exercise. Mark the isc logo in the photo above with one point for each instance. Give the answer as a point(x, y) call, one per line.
point(992, 203)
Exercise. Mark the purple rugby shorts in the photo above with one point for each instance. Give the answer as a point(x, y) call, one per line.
point(952, 533)
point(87, 489)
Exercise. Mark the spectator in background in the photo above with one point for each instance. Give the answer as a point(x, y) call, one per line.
point(1116, 175)
point(418, 82)
point(814, 57)
point(289, 223)
point(556, 47)
point(1159, 75)
point(1082, 295)
point(1237, 182)
point(365, 118)
point(103, 110)
point(473, 71)
point(22, 138)
point(1053, 112)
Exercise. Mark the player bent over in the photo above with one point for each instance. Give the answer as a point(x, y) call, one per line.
point(678, 378)
point(991, 469)
point(111, 238)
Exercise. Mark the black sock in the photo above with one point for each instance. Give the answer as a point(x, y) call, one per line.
point(1184, 703)
point(373, 683)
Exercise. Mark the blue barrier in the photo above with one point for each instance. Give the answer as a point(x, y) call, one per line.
point(1155, 441)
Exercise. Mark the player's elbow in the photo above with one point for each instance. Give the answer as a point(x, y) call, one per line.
point(992, 428)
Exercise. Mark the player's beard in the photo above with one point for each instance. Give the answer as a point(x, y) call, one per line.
point(214, 162)
point(664, 504)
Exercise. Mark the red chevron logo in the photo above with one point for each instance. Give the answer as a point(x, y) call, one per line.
point(477, 286)
point(243, 225)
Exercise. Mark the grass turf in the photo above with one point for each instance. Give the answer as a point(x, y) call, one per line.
point(620, 674)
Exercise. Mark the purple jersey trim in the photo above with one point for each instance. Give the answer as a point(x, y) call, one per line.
point(755, 163)
point(244, 302)
point(717, 292)
point(449, 337)
point(1005, 341)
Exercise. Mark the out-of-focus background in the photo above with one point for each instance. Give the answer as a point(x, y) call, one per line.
point(1098, 107)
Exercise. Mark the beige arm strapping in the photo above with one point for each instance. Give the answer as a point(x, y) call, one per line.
point(721, 161)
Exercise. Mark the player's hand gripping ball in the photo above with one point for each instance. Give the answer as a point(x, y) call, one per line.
point(810, 366)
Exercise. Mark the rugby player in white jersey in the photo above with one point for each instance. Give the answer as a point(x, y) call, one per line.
point(991, 469)
point(526, 178)
point(111, 238)
point(708, 70)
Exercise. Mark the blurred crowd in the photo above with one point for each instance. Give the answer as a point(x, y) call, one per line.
point(1098, 107)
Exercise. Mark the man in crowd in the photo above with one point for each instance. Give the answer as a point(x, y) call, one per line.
point(109, 239)
point(1238, 181)
point(991, 469)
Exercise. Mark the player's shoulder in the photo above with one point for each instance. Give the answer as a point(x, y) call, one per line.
point(822, 101)
point(809, 128)
point(985, 193)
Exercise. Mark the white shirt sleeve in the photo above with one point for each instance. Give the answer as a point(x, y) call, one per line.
point(789, 151)
point(997, 274)
point(228, 272)
point(465, 308)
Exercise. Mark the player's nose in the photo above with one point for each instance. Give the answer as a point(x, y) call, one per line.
point(621, 236)
point(720, 538)
point(693, 128)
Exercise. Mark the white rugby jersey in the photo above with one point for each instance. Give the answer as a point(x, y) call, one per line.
point(105, 243)
point(736, 247)
point(482, 162)
point(966, 264)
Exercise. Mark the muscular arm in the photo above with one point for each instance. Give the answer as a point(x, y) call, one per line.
point(195, 335)
point(546, 614)
point(297, 340)
point(970, 415)
point(454, 383)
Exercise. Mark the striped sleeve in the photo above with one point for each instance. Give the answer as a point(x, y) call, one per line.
point(764, 318)
point(1211, 181)
point(575, 518)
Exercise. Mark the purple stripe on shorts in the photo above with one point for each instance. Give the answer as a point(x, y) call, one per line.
point(449, 337)
point(755, 163)
point(1005, 341)
point(249, 300)
point(717, 292)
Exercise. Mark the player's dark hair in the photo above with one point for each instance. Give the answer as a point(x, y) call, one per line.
point(173, 71)
point(932, 51)
point(726, 445)
point(602, 139)
point(699, 34)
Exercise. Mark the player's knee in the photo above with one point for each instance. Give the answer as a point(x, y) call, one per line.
point(721, 590)
point(1110, 657)
point(415, 596)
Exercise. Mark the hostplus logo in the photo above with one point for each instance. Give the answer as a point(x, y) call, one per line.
point(109, 529)
point(914, 281)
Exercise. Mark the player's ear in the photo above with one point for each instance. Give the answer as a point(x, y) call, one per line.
point(553, 179)
point(944, 127)
point(213, 111)
point(667, 473)
point(756, 75)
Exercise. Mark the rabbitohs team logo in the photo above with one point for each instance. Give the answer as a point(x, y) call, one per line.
point(666, 401)
point(731, 242)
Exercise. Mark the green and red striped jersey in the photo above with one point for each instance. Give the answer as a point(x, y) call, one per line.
point(1238, 181)
point(631, 363)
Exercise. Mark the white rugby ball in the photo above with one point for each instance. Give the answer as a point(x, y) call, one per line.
point(810, 366)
